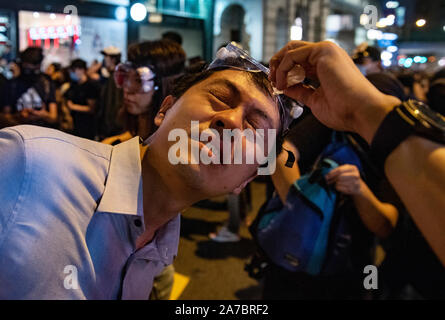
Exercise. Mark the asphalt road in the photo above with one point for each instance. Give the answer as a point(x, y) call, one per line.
point(216, 270)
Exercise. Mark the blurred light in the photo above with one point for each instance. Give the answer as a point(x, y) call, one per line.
point(120, 13)
point(392, 4)
point(52, 16)
point(417, 59)
point(36, 14)
point(387, 63)
point(420, 23)
point(68, 17)
point(443, 28)
point(423, 59)
point(389, 36)
point(155, 17)
point(373, 34)
point(392, 48)
point(386, 55)
point(381, 23)
point(441, 62)
point(364, 19)
point(400, 13)
point(408, 62)
point(402, 61)
point(138, 12)
point(296, 31)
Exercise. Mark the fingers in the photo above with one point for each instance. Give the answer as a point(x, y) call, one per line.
point(300, 93)
point(290, 59)
point(345, 172)
point(276, 59)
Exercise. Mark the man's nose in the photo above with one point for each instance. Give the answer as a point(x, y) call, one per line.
point(228, 119)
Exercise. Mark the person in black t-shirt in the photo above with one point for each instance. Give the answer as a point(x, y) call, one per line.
point(30, 97)
point(81, 99)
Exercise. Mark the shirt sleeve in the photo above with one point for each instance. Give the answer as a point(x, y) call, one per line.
point(12, 172)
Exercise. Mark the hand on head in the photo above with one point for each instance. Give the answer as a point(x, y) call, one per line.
point(345, 97)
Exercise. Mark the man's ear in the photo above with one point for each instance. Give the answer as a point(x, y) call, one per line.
point(168, 102)
point(240, 188)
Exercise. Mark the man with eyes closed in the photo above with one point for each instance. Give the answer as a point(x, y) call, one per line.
point(111, 213)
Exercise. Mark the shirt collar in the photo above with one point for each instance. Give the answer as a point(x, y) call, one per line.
point(123, 187)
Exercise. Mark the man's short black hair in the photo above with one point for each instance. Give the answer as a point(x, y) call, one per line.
point(32, 55)
point(78, 64)
point(172, 36)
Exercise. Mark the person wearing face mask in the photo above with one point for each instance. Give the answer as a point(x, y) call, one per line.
point(30, 98)
point(81, 99)
point(367, 59)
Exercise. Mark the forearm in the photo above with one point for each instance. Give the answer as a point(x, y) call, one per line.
point(416, 170)
point(51, 116)
point(79, 107)
point(378, 217)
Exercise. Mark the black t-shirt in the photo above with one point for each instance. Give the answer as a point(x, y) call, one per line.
point(84, 123)
point(28, 91)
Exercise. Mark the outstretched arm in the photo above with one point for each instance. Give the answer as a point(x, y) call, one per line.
point(347, 101)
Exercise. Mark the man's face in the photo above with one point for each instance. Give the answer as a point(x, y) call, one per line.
point(228, 99)
point(109, 63)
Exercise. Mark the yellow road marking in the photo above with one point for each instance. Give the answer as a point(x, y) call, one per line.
point(179, 284)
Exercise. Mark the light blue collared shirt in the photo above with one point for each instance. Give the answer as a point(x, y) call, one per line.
point(71, 209)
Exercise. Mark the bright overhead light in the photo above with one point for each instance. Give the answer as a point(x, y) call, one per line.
point(121, 13)
point(420, 22)
point(386, 55)
point(392, 49)
point(138, 12)
point(392, 4)
point(364, 19)
point(373, 34)
point(389, 36)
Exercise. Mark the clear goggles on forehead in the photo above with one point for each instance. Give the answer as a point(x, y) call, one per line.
point(233, 57)
point(136, 79)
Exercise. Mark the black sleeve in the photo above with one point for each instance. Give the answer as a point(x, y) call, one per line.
point(310, 137)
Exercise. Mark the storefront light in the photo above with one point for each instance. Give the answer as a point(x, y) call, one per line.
point(392, 49)
point(386, 55)
point(138, 12)
point(121, 13)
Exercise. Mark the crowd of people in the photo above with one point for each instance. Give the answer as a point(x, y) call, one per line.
point(153, 91)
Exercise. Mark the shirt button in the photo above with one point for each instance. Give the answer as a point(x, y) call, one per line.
point(138, 223)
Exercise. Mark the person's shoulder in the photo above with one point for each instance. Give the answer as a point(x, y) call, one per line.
point(52, 140)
